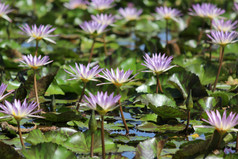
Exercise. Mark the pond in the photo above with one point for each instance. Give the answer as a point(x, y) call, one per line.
point(118, 79)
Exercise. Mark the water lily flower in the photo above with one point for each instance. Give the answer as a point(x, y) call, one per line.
point(84, 73)
point(4, 10)
point(93, 27)
point(206, 10)
point(38, 33)
point(3, 88)
point(223, 38)
point(158, 63)
point(118, 78)
point(104, 19)
point(73, 4)
point(222, 124)
point(102, 102)
point(213, 12)
point(197, 10)
point(130, 13)
point(221, 25)
point(20, 110)
point(35, 62)
point(102, 4)
point(168, 13)
point(235, 8)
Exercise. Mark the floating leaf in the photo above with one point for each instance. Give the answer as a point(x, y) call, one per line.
point(80, 143)
point(35, 137)
point(8, 152)
point(184, 81)
point(48, 151)
point(149, 149)
point(207, 103)
point(123, 148)
point(162, 105)
point(192, 149)
point(148, 126)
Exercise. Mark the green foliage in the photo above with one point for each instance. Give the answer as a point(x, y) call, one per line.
point(48, 151)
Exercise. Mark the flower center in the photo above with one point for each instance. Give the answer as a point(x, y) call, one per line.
point(37, 37)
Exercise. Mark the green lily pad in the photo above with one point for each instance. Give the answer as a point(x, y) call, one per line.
point(148, 126)
point(8, 152)
point(123, 148)
point(48, 151)
point(80, 143)
point(149, 149)
point(36, 137)
point(207, 103)
point(186, 81)
point(129, 139)
point(162, 105)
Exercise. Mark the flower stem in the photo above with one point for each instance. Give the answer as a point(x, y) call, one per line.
point(102, 137)
point(105, 44)
point(158, 86)
point(36, 91)
point(81, 96)
point(34, 6)
point(8, 31)
point(20, 135)
point(201, 33)
point(122, 115)
point(237, 142)
point(167, 34)
point(91, 52)
point(92, 144)
point(210, 46)
point(188, 120)
point(219, 69)
point(37, 46)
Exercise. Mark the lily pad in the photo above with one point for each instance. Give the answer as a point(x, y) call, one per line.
point(48, 151)
point(80, 143)
point(8, 152)
point(162, 105)
point(149, 149)
point(148, 126)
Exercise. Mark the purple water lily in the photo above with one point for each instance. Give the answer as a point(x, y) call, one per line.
point(118, 78)
point(104, 19)
point(168, 13)
point(223, 38)
point(130, 13)
point(158, 63)
point(224, 123)
point(73, 4)
point(35, 62)
point(197, 10)
point(221, 25)
point(93, 27)
point(4, 10)
point(38, 33)
point(3, 88)
point(84, 73)
point(206, 10)
point(102, 102)
point(102, 4)
point(235, 8)
point(20, 110)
